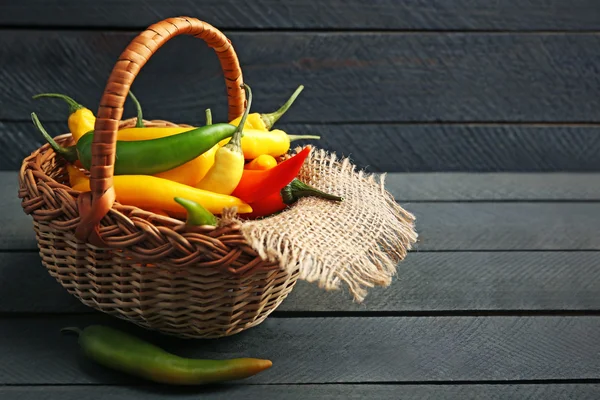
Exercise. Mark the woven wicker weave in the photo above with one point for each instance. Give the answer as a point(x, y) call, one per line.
point(193, 282)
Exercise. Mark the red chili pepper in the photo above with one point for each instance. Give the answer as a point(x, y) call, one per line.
point(279, 201)
point(256, 184)
point(269, 205)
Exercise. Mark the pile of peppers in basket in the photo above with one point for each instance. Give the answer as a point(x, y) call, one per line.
point(194, 172)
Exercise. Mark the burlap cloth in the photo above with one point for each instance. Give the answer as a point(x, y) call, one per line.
point(358, 241)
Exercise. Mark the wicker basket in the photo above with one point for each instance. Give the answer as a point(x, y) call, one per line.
point(151, 270)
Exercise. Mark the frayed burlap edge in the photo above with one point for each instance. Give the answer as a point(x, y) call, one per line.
point(358, 241)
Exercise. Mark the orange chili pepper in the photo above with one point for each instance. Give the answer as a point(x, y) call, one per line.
point(262, 162)
point(256, 184)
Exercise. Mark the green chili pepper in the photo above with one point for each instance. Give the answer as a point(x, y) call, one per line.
point(123, 352)
point(197, 215)
point(147, 157)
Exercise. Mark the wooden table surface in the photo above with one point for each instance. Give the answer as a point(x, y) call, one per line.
point(499, 299)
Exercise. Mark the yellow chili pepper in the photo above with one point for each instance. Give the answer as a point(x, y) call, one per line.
point(265, 122)
point(274, 143)
point(132, 134)
point(81, 119)
point(226, 173)
point(78, 179)
point(193, 171)
point(262, 162)
point(150, 192)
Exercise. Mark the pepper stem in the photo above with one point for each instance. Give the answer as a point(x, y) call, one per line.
point(270, 119)
point(208, 116)
point(300, 137)
point(236, 140)
point(72, 329)
point(69, 153)
point(140, 117)
point(297, 189)
point(73, 105)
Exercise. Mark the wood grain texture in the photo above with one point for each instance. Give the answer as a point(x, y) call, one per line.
point(405, 148)
point(309, 392)
point(349, 76)
point(306, 14)
point(425, 282)
point(333, 350)
point(507, 226)
point(445, 186)
point(447, 282)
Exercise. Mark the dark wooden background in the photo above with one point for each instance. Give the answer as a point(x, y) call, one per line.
point(413, 85)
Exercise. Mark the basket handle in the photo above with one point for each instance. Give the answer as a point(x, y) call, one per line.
point(94, 205)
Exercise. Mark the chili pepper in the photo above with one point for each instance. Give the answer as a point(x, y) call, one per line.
point(226, 172)
point(126, 353)
point(81, 119)
point(279, 201)
point(146, 156)
point(274, 143)
point(136, 133)
point(262, 162)
point(258, 184)
point(196, 214)
point(265, 122)
point(148, 133)
point(150, 192)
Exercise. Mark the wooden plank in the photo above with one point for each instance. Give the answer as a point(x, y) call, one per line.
point(24, 273)
point(444, 186)
point(333, 350)
point(349, 77)
point(446, 282)
point(260, 392)
point(409, 148)
point(441, 226)
point(305, 14)
point(425, 282)
point(507, 226)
